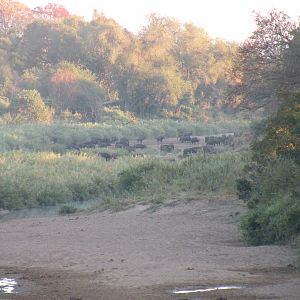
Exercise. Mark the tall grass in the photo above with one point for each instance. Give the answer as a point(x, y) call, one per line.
point(45, 178)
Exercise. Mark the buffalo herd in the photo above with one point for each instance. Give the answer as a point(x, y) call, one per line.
point(211, 142)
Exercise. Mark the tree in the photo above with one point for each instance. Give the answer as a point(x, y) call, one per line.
point(108, 47)
point(28, 106)
point(46, 43)
point(51, 11)
point(14, 17)
point(291, 65)
point(259, 63)
point(75, 89)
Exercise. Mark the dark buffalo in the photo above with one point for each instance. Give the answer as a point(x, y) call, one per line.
point(140, 146)
point(108, 156)
point(160, 138)
point(124, 141)
point(219, 140)
point(140, 140)
point(130, 148)
point(213, 140)
point(138, 155)
point(167, 148)
point(194, 140)
point(191, 151)
point(185, 139)
point(73, 147)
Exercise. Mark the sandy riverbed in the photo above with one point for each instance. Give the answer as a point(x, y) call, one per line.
point(140, 254)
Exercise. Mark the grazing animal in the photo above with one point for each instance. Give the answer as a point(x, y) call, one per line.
point(101, 142)
point(191, 151)
point(130, 148)
point(138, 155)
point(119, 145)
point(140, 140)
point(124, 141)
point(73, 147)
point(219, 140)
point(140, 146)
point(194, 140)
point(185, 139)
point(160, 138)
point(108, 156)
point(213, 140)
point(167, 148)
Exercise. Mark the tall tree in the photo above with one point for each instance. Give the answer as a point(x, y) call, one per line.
point(28, 106)
point(259, 64)
point(14, 17)
point(75, 89)
point(51, 11)
point(106, 45)
point(45, 43)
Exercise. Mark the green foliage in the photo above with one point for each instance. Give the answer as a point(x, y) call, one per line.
point(164, 68)
point(45, 178)
point(28, 106)
point(67, 209)
point(267, 75)
point(46, 43)
point(277, 222)
point(271, 183)
point(282, 135)
point(116, 114)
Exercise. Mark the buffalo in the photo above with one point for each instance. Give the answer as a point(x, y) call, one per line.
point(185, 138)
point(108, 156)
point(191, 151)
point(140, 140)
point(194, 140)
point(160, 138)
point(140, 146)
point(167, 148)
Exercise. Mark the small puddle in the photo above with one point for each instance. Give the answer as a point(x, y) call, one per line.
point(8, 285)
point(211, 289)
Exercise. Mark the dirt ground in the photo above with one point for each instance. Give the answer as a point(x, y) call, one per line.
point(140, 254)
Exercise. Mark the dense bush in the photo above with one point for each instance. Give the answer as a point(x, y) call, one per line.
point(278, 221)
point(271, 185)
point(28, 106)
point(67, 209)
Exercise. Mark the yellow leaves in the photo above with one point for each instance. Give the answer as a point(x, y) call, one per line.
point(289, 146)
point(2, 160)
point(47, 156)
point(282, 130)
point(83, 156)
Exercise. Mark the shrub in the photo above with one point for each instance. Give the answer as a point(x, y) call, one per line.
point(277, 222)
point(29, 106)
point(67, 209)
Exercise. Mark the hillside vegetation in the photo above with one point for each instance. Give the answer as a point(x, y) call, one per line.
point(54, 65)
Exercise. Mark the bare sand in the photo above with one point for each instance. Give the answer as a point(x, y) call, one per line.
point(140, 254)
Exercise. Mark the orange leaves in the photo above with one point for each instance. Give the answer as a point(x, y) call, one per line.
point(14, 16)
point(63, 76)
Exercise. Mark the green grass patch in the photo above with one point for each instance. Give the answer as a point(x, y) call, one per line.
point(29, 179)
